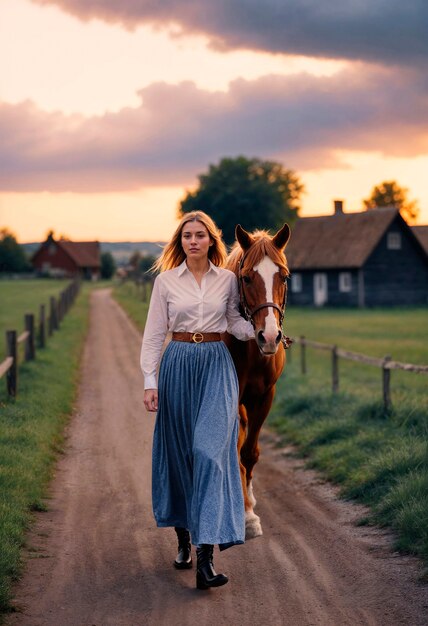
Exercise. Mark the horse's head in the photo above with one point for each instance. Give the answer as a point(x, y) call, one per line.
point(262, 271)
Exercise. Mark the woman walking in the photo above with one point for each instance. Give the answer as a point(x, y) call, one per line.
point(196, 484)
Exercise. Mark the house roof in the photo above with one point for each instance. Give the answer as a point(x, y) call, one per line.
point(421, 233)
point(83, 253)
point(340, 240)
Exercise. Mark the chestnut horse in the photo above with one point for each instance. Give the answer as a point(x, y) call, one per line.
point(259, 263)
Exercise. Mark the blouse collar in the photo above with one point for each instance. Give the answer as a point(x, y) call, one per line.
point(183, 268)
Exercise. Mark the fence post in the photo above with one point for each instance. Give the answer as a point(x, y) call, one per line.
point(42, 327)
point(12, 373)
point(288, 355)
point(53, 315)
point(59, 309)
point(63, 297)
point(386, 383)
point(30, 351)
point(303, 354)
point(66, 298)
point(64, 303)
point(335, 369)
point(50, 322)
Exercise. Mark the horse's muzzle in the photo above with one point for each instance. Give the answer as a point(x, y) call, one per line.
point(268, 345)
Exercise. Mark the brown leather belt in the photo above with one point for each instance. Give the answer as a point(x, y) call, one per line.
point(196, 337)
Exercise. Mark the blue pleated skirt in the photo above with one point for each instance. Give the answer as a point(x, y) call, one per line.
point(196, 481)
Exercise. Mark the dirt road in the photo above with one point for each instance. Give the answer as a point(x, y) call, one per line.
point(96, 557)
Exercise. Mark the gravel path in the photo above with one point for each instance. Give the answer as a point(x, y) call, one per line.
point(96, 557)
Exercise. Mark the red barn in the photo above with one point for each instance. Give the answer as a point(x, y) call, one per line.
point(64, 258)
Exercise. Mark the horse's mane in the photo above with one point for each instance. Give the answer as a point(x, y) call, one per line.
point(261, 247)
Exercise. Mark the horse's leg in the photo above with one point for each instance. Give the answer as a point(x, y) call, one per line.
point(252, 521)
point(241, 439)
point(257, 411)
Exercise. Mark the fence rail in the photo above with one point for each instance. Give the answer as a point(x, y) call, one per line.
point(386, 364)
point(58, 308)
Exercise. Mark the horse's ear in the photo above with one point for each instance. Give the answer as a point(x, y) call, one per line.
point(281, 238)
point(245, 240)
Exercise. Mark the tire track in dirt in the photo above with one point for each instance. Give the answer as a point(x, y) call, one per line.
point(96, 557)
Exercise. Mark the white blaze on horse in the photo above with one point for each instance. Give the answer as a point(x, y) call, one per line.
point(260, 265)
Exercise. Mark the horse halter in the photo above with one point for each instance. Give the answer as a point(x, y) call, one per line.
point(248, 313)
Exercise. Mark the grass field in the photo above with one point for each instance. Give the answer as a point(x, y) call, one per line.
point(130, 297)
point(379, 459)
point(18, 297)
point(400, 333)
point(31, 427)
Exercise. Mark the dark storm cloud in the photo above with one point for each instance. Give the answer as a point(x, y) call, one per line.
point(178, 130)
point(385, 31)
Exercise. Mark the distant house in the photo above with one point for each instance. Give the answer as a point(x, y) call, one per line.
point(372, 258)
point(64, 258)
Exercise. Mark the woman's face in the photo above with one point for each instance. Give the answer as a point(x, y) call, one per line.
point(195, 240)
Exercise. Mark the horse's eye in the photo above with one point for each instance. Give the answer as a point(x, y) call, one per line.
point(246, 279)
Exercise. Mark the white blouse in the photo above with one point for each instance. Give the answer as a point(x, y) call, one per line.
point(179, 304)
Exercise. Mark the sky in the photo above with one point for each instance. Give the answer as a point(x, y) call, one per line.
point(110, 110)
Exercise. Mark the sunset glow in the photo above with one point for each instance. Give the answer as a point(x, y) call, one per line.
point(109, 111)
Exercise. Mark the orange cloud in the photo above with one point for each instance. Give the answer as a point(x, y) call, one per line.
point(178, 129)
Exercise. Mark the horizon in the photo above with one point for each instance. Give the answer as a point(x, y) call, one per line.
point(117, 133)
point(159, 240)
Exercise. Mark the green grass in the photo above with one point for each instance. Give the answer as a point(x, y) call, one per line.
point(31, 430)
point(18, 297)
point(399, 333)
point(131, 298)
point(376, 458)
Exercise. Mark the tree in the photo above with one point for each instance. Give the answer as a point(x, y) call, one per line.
point(251, 192)
point(12, 256)
point(146, 263)
point(108, 265)
point(390, 193)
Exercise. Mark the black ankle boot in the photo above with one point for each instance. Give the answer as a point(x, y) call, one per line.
point(184, 556)
point(205, 574)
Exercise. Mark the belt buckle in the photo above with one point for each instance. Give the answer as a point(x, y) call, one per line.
point(197, 337)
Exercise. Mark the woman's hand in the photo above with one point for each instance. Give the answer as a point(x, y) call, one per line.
point(151, 399)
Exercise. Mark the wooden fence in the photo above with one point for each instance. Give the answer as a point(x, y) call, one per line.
point(58, 307)
point(386, 364)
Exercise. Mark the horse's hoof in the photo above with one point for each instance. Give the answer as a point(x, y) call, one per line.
point(250, 494)
point(253, 527)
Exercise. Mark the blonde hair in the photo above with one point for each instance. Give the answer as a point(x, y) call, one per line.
point(173, 254)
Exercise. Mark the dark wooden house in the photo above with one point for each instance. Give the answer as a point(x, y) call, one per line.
point(372, 258)
point(421, 233)
point(64, 258)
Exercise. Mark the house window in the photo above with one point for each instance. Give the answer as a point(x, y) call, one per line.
point(345, 281)
point(393, 241)
point(296, 283)
point(52, 249)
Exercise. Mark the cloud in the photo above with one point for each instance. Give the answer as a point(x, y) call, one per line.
point(385, 31)
point(178, 130)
